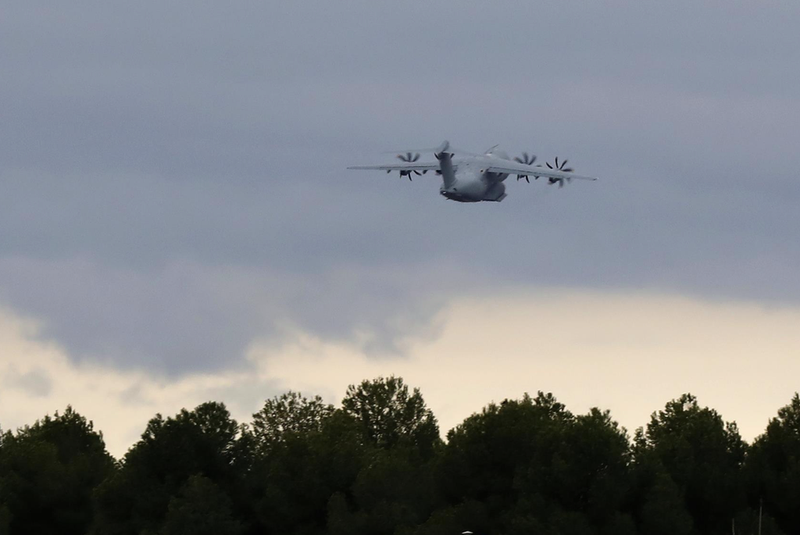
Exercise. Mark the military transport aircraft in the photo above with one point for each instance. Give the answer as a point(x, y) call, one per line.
point(468, 177)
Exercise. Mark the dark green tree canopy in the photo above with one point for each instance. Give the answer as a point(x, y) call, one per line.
point(289, 413)
point(773, 472)
point(200, 508)
point(377, 466)
point(702, 455)
point(202, 442)
point(538, 467)
point(48, 472)
point(390, 414)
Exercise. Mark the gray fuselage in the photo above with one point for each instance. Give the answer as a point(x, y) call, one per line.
point(469, 182)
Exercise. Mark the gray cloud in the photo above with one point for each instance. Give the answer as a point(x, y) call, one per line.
point(187, 316)
point(172, 184)
point(36, 382)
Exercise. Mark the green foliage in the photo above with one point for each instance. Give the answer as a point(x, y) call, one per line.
point(663, 512)
point(570, 523)
point(469, 515)
point(620, 524)
point(702, 455)
point(287, 414)
point(292, 482)
point(394, 490)
point(390, 415)
point(747, 522)
point(536, 466)
point(5, 520)
point(591, 467)
point(200, 508)
point(773, 468)
point(47, 474)
point(377, 466)
point(360, 469)
point(156, 469)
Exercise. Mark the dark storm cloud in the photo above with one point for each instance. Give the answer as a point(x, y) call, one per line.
point(173, 186)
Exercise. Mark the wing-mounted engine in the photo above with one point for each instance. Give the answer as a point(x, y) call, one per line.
point(412, 155)
point(559, 167)
point(409, 158)
point(525, 160)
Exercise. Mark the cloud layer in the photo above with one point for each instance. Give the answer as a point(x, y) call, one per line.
point(626, 352)
point(172, 184)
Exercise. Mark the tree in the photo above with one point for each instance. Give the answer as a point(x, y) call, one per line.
point(394, 490)
point(773, 468)
point(752, 522)
point(391, 415)
point(203, 442)
point(361, 469)
point(502, 457)
point(293, 482)
point(538, 467)
point(703, 457)
point(470, 515)
point(200, 508)
point(377, 466)
point(288, 413)
point(48, 472)
point(590, 469)
point(5, 520)
point(663, 512)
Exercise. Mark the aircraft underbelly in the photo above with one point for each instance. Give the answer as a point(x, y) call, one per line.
point(465, 190)
point(475, 191)
point(496, 192)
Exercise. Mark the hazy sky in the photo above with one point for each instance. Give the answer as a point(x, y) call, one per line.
point(176, 223)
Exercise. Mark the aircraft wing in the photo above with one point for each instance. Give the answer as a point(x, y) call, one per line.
point(410, 166)
point(515, 168)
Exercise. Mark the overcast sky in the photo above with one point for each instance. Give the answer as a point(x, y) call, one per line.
point(174, 205)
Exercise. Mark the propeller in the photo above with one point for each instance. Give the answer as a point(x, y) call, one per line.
point(408, 157)
point(527, 160)
point(559, 167)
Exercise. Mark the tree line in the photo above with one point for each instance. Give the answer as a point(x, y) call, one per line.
point(377, 465)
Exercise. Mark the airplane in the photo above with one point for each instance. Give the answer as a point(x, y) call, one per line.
point(477, 177)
